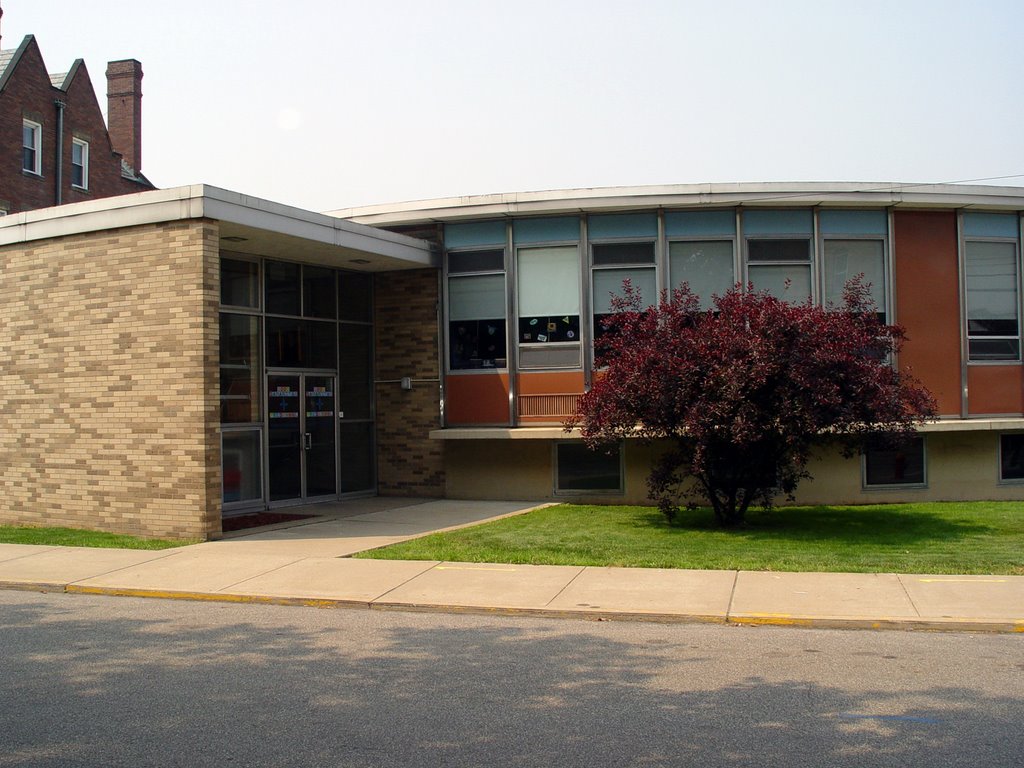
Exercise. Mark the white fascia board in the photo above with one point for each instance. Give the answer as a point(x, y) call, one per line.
point(996, 424)
point(97, 215)
point(1001, 424)
point(201, 201)
point(875, 194)
point(224, 205)
point(504, 433)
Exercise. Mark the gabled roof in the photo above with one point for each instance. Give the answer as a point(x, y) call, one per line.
point(9, 60)
point(5, 59)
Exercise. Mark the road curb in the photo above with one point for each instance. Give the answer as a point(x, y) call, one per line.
point(1001, 626)
point(991, 626)
point(214, 597)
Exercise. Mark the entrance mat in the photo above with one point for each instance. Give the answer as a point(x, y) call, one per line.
point(255, 520)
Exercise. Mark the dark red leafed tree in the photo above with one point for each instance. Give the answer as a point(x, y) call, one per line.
point(742, 393)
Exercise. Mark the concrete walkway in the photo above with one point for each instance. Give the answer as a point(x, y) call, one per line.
point(305, 564)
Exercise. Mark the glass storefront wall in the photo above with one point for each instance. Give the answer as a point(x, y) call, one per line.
point(296, 383)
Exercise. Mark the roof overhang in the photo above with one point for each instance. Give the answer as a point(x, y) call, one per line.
point(248, 225)
point(681, 196)
point(1004, 424)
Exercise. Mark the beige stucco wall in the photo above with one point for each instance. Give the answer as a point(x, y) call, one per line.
point(524, 469)
point(109, 381)
point(960, 466)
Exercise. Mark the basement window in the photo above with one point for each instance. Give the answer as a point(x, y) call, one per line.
point(888, 464)
point(581, 470)
point(1011, 458)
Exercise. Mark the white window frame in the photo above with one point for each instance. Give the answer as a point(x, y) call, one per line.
point(85, 163)
point(37, 132)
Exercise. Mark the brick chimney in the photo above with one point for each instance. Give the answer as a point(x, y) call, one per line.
point(124, 110)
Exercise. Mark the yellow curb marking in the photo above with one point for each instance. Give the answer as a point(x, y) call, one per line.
point(463, 568)
point(770, 619)
point(217, 597)
point(966, 581)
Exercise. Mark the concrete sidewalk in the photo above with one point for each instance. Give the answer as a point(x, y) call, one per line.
point(305, 565)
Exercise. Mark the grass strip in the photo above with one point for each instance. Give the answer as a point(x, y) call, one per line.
point(941, 537)
point(74, 537)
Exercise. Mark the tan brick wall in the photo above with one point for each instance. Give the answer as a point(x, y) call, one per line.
point(109, 381)
point(409, 463)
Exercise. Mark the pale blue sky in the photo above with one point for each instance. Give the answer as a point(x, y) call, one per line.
point(328, 104)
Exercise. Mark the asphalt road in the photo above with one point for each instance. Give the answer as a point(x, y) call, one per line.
point(106, 681)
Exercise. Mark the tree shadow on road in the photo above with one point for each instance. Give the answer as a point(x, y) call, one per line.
point(206, 684)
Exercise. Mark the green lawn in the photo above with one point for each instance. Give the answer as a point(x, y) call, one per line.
point(73, 537)
point(951, 537)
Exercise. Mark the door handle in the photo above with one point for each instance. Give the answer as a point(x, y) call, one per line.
point(307, 441)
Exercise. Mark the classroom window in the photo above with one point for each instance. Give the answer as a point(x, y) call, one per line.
point(613, 264)
point(845, 260)
point(993, 330)
point(705, 265)
point(779, 252)
point(549, 306)
point(477, 335)
point(781, 267)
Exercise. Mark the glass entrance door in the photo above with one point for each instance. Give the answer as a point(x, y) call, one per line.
point(301, 437)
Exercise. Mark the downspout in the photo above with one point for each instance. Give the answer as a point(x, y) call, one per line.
point(59, 175)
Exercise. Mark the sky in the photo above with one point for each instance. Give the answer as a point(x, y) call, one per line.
point(325, 104)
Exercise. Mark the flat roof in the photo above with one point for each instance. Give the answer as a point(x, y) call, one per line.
point(248, 225)
point(680, 196)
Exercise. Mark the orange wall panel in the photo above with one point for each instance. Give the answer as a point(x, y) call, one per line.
point(552, 410)
point(560, 383)
point(928, 301)
point(995, 389)
point(476, 399)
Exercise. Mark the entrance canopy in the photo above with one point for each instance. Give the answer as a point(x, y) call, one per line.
point(247, 225)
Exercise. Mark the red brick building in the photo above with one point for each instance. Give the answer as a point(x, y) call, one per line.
point(54, 145)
